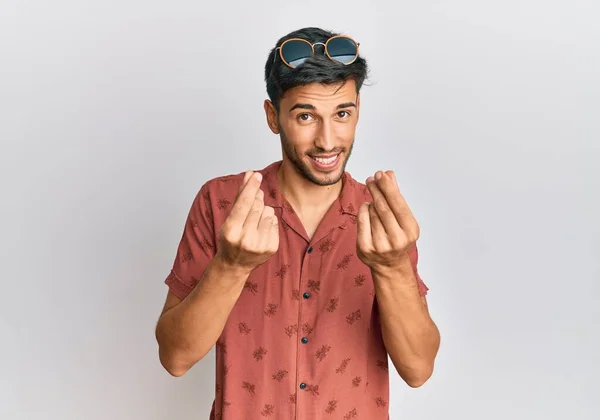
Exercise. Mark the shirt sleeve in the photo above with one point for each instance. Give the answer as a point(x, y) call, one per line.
point(414, 258)
point(196, 248)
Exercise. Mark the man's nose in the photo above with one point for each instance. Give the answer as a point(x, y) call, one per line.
point(326, 137)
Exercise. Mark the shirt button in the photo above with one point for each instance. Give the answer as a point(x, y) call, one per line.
point(304, 340)
point(309, 250)
point(302, 385)
point(306, 295)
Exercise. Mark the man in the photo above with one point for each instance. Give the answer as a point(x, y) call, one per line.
point(304, 278)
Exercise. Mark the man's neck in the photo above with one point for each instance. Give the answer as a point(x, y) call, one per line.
point(305, 196)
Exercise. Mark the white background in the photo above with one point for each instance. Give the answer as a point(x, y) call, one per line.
point(113, 113)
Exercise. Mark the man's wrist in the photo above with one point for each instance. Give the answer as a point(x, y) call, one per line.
point(230, 271)
point(401, 268)
point(399, 278)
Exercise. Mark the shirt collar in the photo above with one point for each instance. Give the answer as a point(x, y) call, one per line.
point(351, 197)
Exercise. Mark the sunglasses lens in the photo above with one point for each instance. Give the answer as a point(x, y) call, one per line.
point(342, 49)
point(296, 52)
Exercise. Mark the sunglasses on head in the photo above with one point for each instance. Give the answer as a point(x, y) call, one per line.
point(339, 48)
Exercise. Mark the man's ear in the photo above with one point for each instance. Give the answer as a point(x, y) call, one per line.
point(271, 114)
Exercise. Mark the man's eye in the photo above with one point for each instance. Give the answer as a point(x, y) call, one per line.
point(343, 114)
point(304, 117)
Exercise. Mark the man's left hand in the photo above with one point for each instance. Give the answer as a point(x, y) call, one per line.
point(387, 229)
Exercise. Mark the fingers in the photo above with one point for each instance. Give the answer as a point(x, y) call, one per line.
point(268, 221)
point(387, 218)
point(245, 199)
point(389, 187)
point(247, 176)
point(268, 230)
point(364, 236)
point(255, 211)
point(379, 237)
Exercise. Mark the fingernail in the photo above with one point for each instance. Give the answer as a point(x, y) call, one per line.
point(378, 175)
point(258, 176)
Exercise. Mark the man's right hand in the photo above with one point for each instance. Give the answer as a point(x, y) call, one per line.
point(250, 234)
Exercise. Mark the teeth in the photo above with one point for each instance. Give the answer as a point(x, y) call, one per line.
point(326, 161)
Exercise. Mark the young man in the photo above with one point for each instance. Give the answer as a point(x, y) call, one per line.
point(304, 278)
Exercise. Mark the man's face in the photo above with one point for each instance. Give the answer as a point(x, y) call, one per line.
point(316, 124)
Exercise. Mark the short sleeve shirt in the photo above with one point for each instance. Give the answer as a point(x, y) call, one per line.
point(304, 339)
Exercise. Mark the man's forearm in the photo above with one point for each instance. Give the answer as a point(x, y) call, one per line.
point(410, 335)
point(187, 331)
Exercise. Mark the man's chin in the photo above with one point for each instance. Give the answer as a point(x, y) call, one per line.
point(325, 178)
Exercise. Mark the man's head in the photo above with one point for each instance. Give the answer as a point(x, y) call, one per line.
point(314, 108)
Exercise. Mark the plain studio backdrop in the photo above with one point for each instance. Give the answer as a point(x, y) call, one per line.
point(113, 114)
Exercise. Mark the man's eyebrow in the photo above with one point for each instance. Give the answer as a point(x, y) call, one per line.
point(303, 106)
point(312, 107)
point(346, 105)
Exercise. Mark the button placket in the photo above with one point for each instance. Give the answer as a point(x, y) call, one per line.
point(306, 296)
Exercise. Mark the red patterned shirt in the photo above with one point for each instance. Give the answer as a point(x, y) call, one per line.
point(304, 339)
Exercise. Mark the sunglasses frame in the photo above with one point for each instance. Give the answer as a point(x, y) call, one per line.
point(312, 46)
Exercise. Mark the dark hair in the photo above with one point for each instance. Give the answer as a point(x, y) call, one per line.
point(317, 69)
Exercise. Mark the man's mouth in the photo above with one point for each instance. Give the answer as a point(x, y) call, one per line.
point(325, 162)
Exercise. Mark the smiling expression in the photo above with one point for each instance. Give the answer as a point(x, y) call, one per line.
point(317, 124)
